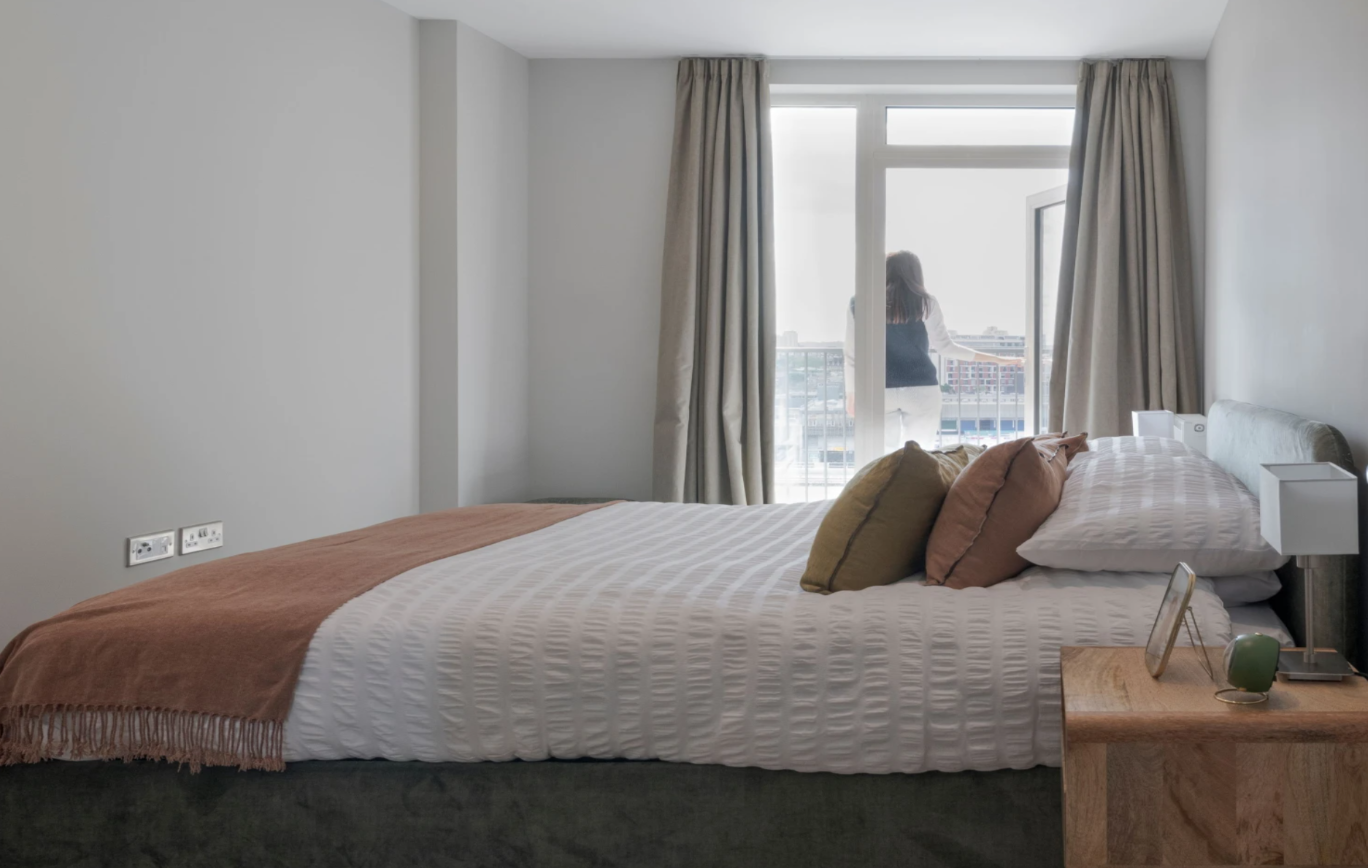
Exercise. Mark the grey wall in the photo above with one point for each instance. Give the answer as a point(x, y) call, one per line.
point(474, 255)
point(1287, 296)
point(601, 132)
point(439, 454)
point(492, 155)
point(1288, 182)
point(208, 302)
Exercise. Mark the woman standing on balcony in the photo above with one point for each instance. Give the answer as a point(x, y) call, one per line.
point(915, 326)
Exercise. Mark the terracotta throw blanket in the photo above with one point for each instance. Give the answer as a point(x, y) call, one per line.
point(199, 666)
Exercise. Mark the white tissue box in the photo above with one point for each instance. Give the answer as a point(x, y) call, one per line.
point(1152, 423)
point(1190, 429)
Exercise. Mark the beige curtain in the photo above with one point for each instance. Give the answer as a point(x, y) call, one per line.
point(714, 423)
point(1125, 337)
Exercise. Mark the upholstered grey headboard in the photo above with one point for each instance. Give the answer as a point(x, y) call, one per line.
point(1240, 437)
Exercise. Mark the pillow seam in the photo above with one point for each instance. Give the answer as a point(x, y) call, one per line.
point(978, 532)
point(854, 534)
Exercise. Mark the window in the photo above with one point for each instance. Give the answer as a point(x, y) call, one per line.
point(814, 203)
point(976, 192)
point(980, 126)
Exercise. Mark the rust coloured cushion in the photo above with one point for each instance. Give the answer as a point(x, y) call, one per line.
point(995, 506)
point(1072, 445)
point(876, 531)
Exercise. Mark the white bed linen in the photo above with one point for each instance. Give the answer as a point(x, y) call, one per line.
point(1124, 509)
point(679, 632)
point(1247, 589)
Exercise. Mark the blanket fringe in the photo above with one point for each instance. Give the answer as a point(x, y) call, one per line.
point(33, 733)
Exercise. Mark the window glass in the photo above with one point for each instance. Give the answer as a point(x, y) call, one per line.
point(966, 228)
point(814, 251)
point(980, 126)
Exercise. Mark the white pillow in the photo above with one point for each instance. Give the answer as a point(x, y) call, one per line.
point(1259, 618)
point(1138, 445)
point(1144, 512)
point(1243, 590)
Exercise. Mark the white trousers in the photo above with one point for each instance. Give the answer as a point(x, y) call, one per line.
point(911, 413)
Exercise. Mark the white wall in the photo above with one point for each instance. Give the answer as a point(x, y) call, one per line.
point(1286, 224)
point(208, 292)
point(1288, 297)
point(492, 154)
point(474, 254)
point(601, 135)
point(439, 453)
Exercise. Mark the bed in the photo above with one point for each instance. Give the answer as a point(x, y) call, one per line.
point(664, 695)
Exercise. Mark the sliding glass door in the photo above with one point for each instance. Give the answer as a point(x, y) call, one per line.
point(860, 176)
point(964, 224)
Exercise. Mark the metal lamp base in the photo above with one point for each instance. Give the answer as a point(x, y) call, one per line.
point(1328, 666)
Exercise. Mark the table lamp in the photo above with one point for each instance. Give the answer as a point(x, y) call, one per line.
point(1310, 511)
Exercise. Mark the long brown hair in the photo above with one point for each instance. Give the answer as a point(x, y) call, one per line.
point(906, 297)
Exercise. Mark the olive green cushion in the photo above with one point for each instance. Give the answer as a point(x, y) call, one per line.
point(876, 531)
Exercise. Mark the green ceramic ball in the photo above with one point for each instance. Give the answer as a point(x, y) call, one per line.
point(1251, 662)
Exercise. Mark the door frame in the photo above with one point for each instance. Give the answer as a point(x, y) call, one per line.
point(1034, 206)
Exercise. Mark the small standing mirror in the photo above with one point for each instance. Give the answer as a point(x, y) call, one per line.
point(1174, 612)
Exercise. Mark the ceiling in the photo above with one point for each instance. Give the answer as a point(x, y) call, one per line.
point(838, 28)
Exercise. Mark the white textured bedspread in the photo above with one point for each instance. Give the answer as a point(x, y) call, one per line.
point(679, 632)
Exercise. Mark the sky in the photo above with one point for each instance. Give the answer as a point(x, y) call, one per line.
point(969, 226)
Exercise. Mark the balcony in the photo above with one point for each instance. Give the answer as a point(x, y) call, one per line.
point(814, 451)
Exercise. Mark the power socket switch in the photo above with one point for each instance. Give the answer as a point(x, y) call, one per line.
point(151, 547)
point(201, 537)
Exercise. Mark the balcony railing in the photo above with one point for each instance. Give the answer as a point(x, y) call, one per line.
point(815, 437)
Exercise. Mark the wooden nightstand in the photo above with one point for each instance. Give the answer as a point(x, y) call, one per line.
point(1161, 773)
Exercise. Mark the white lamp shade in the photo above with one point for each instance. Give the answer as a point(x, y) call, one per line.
point(1309, 509)
point(1190, 428)
point(1152, 423)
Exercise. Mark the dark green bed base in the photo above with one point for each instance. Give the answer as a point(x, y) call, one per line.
point(601, 814)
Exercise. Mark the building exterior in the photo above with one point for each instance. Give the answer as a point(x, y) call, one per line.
point(978, 377)
point(814, 437)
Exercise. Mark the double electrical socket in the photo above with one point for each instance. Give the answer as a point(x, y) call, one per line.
point(201, 537)
point(162, 544)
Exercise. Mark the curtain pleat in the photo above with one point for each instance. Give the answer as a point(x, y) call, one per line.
point(714, 424)
point(1125, 333)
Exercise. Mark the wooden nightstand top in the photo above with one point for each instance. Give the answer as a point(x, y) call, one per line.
point(1110, 697)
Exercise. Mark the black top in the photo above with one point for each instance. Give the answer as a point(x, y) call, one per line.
point(908, 358)
point(907, 355)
